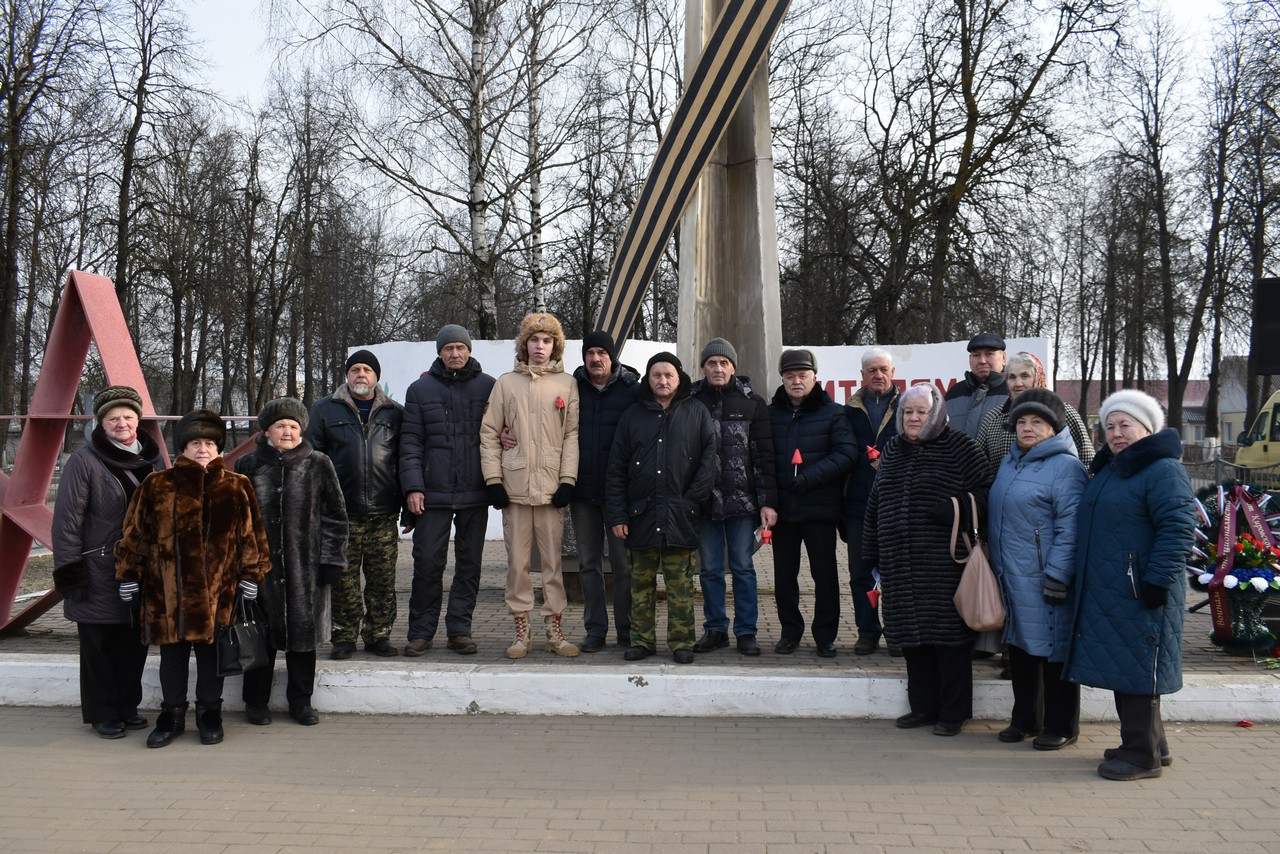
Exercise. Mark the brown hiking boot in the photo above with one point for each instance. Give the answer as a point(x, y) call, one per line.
point(417, 647)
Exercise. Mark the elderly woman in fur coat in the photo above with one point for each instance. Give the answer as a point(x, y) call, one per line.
point(306, 521)
point(93, 496)
point(907, 536)
point(191, 535)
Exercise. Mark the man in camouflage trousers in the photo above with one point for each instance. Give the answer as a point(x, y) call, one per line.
point(661, 469)
point(358, 427)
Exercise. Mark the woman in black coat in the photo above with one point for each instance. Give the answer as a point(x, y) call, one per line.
point(306, 521)
point(88, 514)
point(907, 537)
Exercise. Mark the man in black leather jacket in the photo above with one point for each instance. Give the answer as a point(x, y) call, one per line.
point(358, 427)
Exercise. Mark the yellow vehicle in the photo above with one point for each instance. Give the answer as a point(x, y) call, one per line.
point(1259, 446)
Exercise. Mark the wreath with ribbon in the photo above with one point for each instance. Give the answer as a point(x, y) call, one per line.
point(1237, 551)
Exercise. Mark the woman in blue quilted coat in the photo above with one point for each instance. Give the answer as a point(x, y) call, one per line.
point(1032, 535)
point(1136, 530)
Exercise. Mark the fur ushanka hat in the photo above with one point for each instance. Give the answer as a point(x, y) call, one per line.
point(539, 321)
point(201, 424)
point(280, 408)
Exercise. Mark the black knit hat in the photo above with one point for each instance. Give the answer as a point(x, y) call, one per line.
point(603, 340)
point(664, 356)
point(113, 396)
point(201, 424)
point(280, 408)
point(365, 357)
point(1041, 402)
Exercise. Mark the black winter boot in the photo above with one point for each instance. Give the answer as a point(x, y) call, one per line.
point(171, 723)
point(209, 721)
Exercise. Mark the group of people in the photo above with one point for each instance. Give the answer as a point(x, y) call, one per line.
point(1090, 550)
point(660, 475)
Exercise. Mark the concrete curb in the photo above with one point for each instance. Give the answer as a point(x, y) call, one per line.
point(648, 688)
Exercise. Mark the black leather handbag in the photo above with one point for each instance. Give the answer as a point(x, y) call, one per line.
point(242, 644)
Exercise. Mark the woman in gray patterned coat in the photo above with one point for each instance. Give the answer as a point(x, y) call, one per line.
point(907, 537)
point(306, 522)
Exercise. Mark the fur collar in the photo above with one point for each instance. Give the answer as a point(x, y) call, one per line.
point(1166, 444)
point(269, 454)
point(380, 399)
point(858, 400)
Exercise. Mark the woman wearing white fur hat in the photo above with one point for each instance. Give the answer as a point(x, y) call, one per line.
point(1136, 528)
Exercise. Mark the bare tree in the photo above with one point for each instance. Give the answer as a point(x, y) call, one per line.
point(146, 51)
point(42, 61)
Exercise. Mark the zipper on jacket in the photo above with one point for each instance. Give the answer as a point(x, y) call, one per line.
point(1133, 581)
point(1039, 554)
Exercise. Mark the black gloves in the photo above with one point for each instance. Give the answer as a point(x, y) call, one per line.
point(72, 581)
point(563, 494)
point(330, 573)
point(1153, 596)
point(799, 485)
point(497, 496)
point(943, 512)
point(1055, 592)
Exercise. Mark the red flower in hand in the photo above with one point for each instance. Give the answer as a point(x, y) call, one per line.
point(872, 453)
point(559, 403)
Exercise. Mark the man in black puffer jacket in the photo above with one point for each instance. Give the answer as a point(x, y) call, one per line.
point(358, 428)
point(606, 389)
point(661, 469)
point(745, 495)
point(813, 453)
point(443, 486)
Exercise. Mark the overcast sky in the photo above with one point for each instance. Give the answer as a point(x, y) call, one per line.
point(233, 35)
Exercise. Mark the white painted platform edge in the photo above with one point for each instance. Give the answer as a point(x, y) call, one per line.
point(643, 689)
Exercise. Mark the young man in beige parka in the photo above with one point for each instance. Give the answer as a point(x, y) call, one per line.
point(532, 482)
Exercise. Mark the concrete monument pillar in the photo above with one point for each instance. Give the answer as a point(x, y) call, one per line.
point(728, 272)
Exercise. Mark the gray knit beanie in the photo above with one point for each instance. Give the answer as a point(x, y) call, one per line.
point(719, 347)
point(452, 333)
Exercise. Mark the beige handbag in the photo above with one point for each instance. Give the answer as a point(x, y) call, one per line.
point(977, 598)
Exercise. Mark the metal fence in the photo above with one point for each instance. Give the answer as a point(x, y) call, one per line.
point(1216, 470)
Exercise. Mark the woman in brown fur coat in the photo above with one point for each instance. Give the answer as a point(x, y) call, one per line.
point(191, 534)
